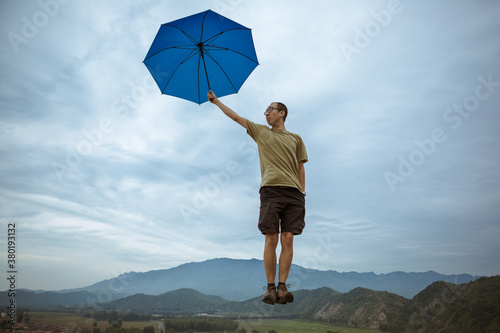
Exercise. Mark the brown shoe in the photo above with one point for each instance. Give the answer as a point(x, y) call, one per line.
point(284, 296)
point(270, 296)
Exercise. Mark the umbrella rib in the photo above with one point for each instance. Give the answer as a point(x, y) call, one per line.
point(181, 47)
point(203, 26)
point(192, 54)
point(213, 38)
point(186, 47)
point(185, 33)
point(222, 69)
point(227, 49)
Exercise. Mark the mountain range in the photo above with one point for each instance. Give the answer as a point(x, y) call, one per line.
point(393, 302)
point(239, 280)
point(441, 307)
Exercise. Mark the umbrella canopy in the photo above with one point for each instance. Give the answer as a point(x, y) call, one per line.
point(201, 52)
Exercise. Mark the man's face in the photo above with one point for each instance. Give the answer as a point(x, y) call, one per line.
point(273, 114)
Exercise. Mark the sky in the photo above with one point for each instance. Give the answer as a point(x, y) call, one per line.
point(397, 103)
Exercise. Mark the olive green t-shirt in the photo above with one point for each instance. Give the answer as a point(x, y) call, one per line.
point(280, 153)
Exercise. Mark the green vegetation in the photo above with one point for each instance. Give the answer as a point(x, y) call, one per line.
point(449, 308)
point(112, 316)
point(187, 324)
point(294, 326)
point(199, 324)
point(116, 328)
point(474, 307)
point(73, 320)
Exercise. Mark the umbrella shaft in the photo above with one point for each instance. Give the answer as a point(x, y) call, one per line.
point(200, 46)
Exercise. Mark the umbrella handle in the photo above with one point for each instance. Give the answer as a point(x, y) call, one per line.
point(211, 99)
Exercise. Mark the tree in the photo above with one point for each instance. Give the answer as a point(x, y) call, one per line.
point(20, 315)
point(148, 329)
point(3, 325)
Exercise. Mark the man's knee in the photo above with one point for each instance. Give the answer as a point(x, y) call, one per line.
point(287, 239)
point(272, 239)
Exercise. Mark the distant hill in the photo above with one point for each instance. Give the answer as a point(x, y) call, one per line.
point(448, 308)
point(182, 301)
point(240, 280)
point(39, 299)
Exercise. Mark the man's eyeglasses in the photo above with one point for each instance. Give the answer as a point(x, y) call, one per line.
point(269, 110)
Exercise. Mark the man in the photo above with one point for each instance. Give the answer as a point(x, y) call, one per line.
point(282, 155)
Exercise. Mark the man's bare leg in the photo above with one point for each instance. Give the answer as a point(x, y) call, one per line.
point(270, 245)
point(283, 295)
point(286, 255)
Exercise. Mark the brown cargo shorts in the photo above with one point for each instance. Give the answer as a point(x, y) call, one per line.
point(281, 206)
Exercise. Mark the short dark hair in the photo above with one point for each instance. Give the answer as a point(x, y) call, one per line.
point(282, 106)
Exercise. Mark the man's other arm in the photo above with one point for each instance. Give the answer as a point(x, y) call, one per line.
point(302, 176)
point(230, 113)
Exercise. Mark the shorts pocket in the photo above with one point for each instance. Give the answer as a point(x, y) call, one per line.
point(268, 218)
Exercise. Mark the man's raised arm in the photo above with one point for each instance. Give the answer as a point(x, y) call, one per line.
point(230, 113)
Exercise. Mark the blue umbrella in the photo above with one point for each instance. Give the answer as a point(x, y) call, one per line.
point(201, 52)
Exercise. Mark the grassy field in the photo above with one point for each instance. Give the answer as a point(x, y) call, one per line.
point(295, 326)
point(72, 320)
